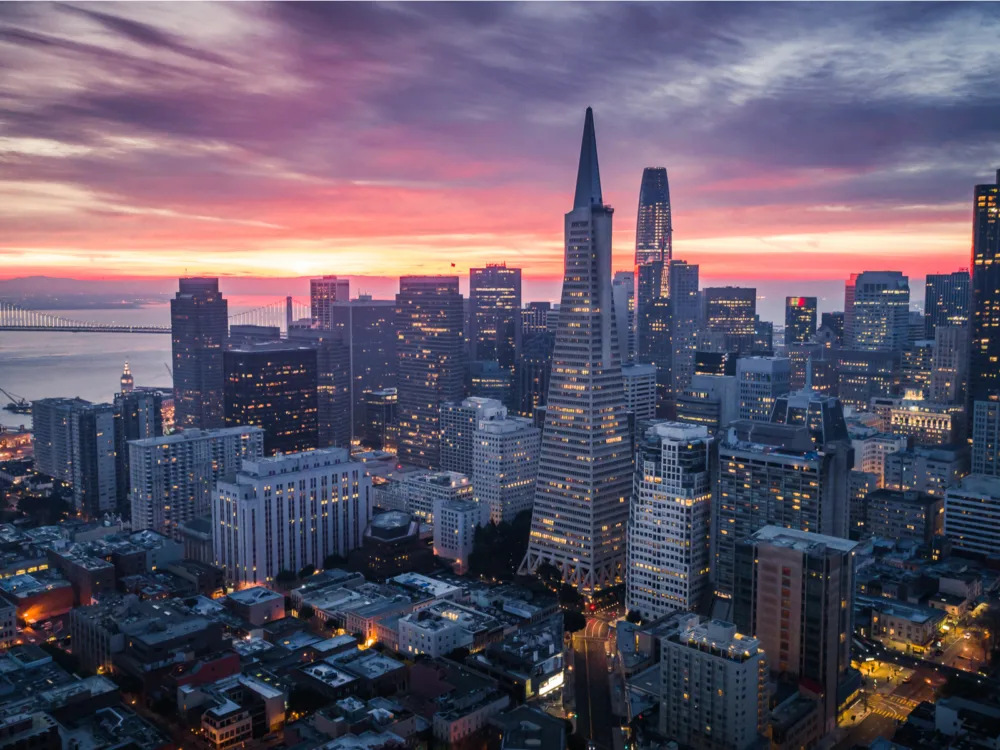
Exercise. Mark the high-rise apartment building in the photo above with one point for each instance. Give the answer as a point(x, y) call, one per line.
point(972, 515)
point(138, 415)
point(379, 430)
point(505, 455)
point(653, 228)
point(669, 521)
point(984, 317)
point(800, 320)
point(640, 390)
point(273, 386)
point(732, 311)
point(459, 422)
point(761, 380)
point(775, 475)
point(53, 439)
point(795, 594)
point(495, 314)
point(623, 300)
point(173, 478)
point(584, 475)
point(881, 311)
point(985, 437)
point(946, 301)
point(324, 292)
point(713, 692)
point(287, 512)
point(199, 327)
point(431, 362)
point(92, 435)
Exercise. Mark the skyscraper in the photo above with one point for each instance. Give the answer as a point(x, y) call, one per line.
point(323, 293)
point(333, 381)
point(946, 300)
point(459, 422)
point(848, 328)
point(623, 299)
point(732, 311)
point(880, 311)
point(199, 326)
point(431, 363)
point(984, 347)
point(585, 471)
point(138, 415)
point(761, 380)
point(505, 466)
point(669, 520)
point(835, 322)
point(495, 314)
point(94, 471)
point(800, 319)
point(273, 386)
point(653, 228)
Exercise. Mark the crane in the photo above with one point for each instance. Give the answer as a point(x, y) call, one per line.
point(17, 404)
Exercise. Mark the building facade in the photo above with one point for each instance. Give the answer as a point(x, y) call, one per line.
point(881, 311)
point(640, 390)
point(199, 328)
point(623, 300)
point(459, 422)
point(732, 311)
point(972, 515)
point(761, 381)
point(984, 317)
point(985, 437)
point(946, 301)
point(505, 457)
point(654, 228)
point(800, 320)
point(495, 314)
point(324, 293)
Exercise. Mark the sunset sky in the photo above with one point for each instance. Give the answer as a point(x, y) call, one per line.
point(802, 141)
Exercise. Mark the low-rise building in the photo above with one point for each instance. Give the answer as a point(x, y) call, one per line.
point(442, 627)
point(257, 605)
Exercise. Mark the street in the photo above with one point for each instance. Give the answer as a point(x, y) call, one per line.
point(593, 689)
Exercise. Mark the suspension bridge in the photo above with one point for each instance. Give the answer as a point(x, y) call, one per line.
point(278, 314)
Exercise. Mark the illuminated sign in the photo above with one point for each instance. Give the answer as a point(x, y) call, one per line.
point(555, 681)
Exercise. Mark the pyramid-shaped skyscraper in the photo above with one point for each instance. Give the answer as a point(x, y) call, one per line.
point(585, 471)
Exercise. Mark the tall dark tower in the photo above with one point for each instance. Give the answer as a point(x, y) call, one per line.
point(984, 348)
point(653, 228)
point(199, 327)
point(946, 300)
point(495, 314)
point(584, 474)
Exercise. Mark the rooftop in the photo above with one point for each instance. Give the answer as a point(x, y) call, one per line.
point(804, 541)
point(194, 434)
point(327, 674)
point(255, 595)
point(426, 585)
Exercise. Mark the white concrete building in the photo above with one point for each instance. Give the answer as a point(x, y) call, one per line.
point(713, 688)
point(505, 466)
point(423, 489)
point(670, 520)
point(459, 422)
point(872, 446)
point(444, 626)
point(640, 390)
point(173, 478)
point(761, 380)
point(455, 523)
point(289, 511)
point(972, 514)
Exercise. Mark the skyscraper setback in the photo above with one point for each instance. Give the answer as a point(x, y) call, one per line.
point(654, 227)
point(585, 471)
point(199, 327)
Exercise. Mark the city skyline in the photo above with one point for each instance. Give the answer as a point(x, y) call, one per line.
point(242, 145)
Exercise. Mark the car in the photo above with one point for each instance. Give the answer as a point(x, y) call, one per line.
point(908, 679)
point(967, 635)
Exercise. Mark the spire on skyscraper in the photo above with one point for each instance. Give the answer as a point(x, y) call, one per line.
point(588, 176)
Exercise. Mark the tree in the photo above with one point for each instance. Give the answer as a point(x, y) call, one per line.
point(305, 700)
point(634, 617)
point(549, 575)
point(499, 548)
point(570, 597)
point(334, 561)
point(307, 612)
point(307, 571)
point(576, 742)
point(459, 654)
point(573, 621)
point(285, 576)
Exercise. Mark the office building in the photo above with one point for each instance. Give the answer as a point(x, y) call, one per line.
point(505, 456)
point(950, 364)
point(924, 422)
point(761, 380)
point(199, 326)
point(849, 290)
point(640, 390)
point(903, 514)
point(459, 422)
point(800, 320)
point(138, 415)
point(324, 293)
point(495, 314)
point(533, 372)
point(52, 419)
point(915, 326)
point(710, 400)
point(173, 478)
point(917, 366)
point(489, 380)
point(871, 447)
point(623, 301)
point(422, 489)
point(273, 386)
point(653, 229)
point(862, 376)
point(289, 511)
point(985, 437)
point(984, 317)
point(731, 311)
point(881, 311)
point(715, 363)
point(92, 435)
point(763, 337)
point(368, 327)
point(972, 515)
point(795, 593)
point(930, 469)
point(333, 382)
point(431, 362)
point(534, 319)
point(584, 475)
point(776, 475)
point(455, 523)
point(946, 301)
point(834, 322)
point(379, 430)
point(713, 691)
point(669, 521)
point(821, 414)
